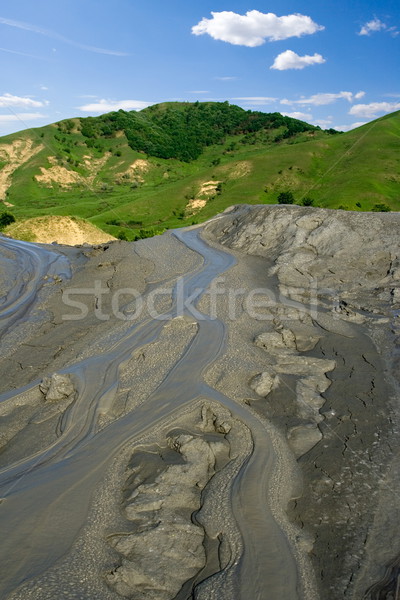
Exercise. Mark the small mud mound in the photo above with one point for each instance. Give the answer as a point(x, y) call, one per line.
point(64, 230)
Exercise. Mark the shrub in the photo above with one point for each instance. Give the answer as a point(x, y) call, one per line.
point(307, 201)
point(381, 208)
point(6, 219)
point(285, 198)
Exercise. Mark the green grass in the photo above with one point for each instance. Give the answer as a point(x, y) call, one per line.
point(347, 170)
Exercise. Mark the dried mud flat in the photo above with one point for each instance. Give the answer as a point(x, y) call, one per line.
point(209, 414)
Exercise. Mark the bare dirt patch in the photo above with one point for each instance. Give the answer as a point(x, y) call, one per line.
point(94, 166)
point(241, 169)
point(57, 174)
point(60, 175)
point(136, 170)
point(15, 155)
point(64, 230)
point(207, 190)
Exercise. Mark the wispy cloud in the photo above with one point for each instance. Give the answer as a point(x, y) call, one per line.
point(10, 101)
point(256, 100)
point(103, 106)
point(298, 115)
point(254, 28)
point(372, 26)
point(24, 54)
point(324, 98)
point(22, 117)
point(323, 122)
point(56, 36)
point(376, 25)
point(374, 109)
point(350, 127)
point(226, 78)
point(198, 92)
point(290, 60)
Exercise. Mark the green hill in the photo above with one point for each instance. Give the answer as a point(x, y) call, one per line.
point(137, 173)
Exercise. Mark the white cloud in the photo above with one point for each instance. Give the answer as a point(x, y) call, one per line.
point(377, 25)
point(21, 117)
point(324, 123)
point(357, 124)
point(103, 106)
point(10, 101)
point(349, 127)
point(373, 109)
point(291, 60)
point(298, 115)
point(394, 32)
point(198, 92)
point(323, 99)
point(255, 27)
point(372, 26)
point(256, 100)
point(226, 78)
point(56, 36)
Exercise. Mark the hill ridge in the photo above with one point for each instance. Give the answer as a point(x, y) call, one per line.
point(109, 169)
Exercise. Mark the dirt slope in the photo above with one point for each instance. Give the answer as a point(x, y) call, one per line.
point(64, 230)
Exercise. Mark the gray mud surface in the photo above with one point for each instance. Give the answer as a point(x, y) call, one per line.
point(210, 414)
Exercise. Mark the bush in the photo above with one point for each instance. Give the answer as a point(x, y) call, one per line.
point(122, 236)
point(381, 208)
point(6, 219)
point(307, 201)
point(285, 198)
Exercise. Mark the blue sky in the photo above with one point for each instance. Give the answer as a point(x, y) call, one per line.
point(335, 64)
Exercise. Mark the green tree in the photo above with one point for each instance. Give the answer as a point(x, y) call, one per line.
point(286, 198)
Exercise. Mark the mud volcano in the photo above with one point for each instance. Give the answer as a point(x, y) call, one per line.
point(211, 414)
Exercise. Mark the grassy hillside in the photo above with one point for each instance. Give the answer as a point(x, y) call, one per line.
point(134, 174)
